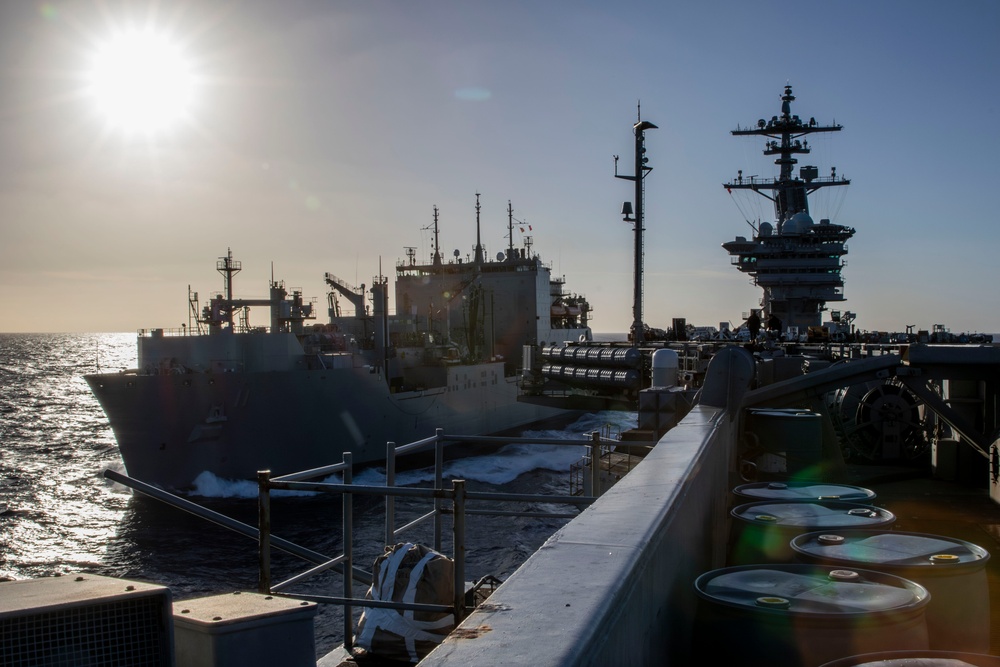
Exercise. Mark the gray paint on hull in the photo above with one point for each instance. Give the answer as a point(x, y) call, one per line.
point(170, 428)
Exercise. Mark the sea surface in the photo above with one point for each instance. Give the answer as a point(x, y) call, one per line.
point(60, 515)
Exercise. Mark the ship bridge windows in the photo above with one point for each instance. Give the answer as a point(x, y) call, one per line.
point(804, 270)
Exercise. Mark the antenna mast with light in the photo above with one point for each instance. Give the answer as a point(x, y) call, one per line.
point(641, 169)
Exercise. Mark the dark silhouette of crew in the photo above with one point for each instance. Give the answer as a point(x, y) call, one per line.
point(753, 325)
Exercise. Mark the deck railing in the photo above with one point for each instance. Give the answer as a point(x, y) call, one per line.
point(446, 501)
point(451, 501)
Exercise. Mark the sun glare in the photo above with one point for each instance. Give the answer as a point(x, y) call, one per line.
point(142, 82)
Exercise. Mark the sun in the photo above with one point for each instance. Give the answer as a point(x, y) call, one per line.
point(141, 81)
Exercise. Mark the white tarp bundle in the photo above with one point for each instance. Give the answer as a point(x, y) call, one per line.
point(407, 573)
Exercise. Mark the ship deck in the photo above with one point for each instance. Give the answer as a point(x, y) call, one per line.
point(921, 504)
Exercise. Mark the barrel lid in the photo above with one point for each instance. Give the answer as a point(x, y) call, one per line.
point(917, 659)
point(803, 491)
point(784, 413)
point(810, 590)
point(814, 514)
point(924, 661)
point(892, 549)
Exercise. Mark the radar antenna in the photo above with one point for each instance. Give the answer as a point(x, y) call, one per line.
point(436, 257)
point(510, 231)
point(479, 243)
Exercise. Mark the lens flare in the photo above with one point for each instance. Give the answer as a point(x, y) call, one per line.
point(142, 81)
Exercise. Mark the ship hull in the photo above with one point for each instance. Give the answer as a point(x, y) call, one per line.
point(171, 428)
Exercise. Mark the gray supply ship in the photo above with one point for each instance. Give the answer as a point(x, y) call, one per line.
point(230, 398)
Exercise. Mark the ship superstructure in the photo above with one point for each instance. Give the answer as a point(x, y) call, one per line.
point(490, 308)
point(797, 261)
point(231, 398)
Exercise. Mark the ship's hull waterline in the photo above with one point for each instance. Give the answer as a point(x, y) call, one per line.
point(172, 427)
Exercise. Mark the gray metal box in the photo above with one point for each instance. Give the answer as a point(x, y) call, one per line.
point(85, 619)
point(244, 629)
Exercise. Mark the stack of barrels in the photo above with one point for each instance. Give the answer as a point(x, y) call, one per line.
point(817, 577)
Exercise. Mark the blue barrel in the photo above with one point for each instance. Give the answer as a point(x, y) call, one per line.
point(804, 615)
point(788, 491)
point(761, 532)
point(954, 571)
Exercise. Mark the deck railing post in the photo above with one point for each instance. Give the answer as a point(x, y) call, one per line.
point(595, 464)
point(458, 526)
point(264, 530)
point(348, 523)
point(438, 484)
point(390, 501)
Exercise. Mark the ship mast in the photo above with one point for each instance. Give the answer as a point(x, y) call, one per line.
point(510, 231)
point(641, 169)
point(437, 246)
point(479, 243)
point(785, 131)
point(228, 267)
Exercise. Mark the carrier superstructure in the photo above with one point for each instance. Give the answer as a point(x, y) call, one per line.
point(797, 261)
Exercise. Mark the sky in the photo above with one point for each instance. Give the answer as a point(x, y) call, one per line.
point(318, 136)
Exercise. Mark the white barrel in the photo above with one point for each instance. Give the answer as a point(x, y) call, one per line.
point(664, 368)
point(800, 615)
point(762, 531)
point(954, 571)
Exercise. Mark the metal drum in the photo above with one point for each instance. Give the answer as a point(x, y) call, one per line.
point(759, 491)
point(954, 571)
point(761, 531)
point(804, 615)
point(917, 659)
point(791, 439)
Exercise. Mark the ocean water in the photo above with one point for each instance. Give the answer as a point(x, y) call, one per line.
point(60, 515)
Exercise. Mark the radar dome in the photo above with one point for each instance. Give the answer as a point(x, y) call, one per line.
point(765, 229)
point(797, 224)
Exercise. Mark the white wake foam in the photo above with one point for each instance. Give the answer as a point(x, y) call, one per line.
point(500, 467)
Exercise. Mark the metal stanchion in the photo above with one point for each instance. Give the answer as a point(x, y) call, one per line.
point(264, 528)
